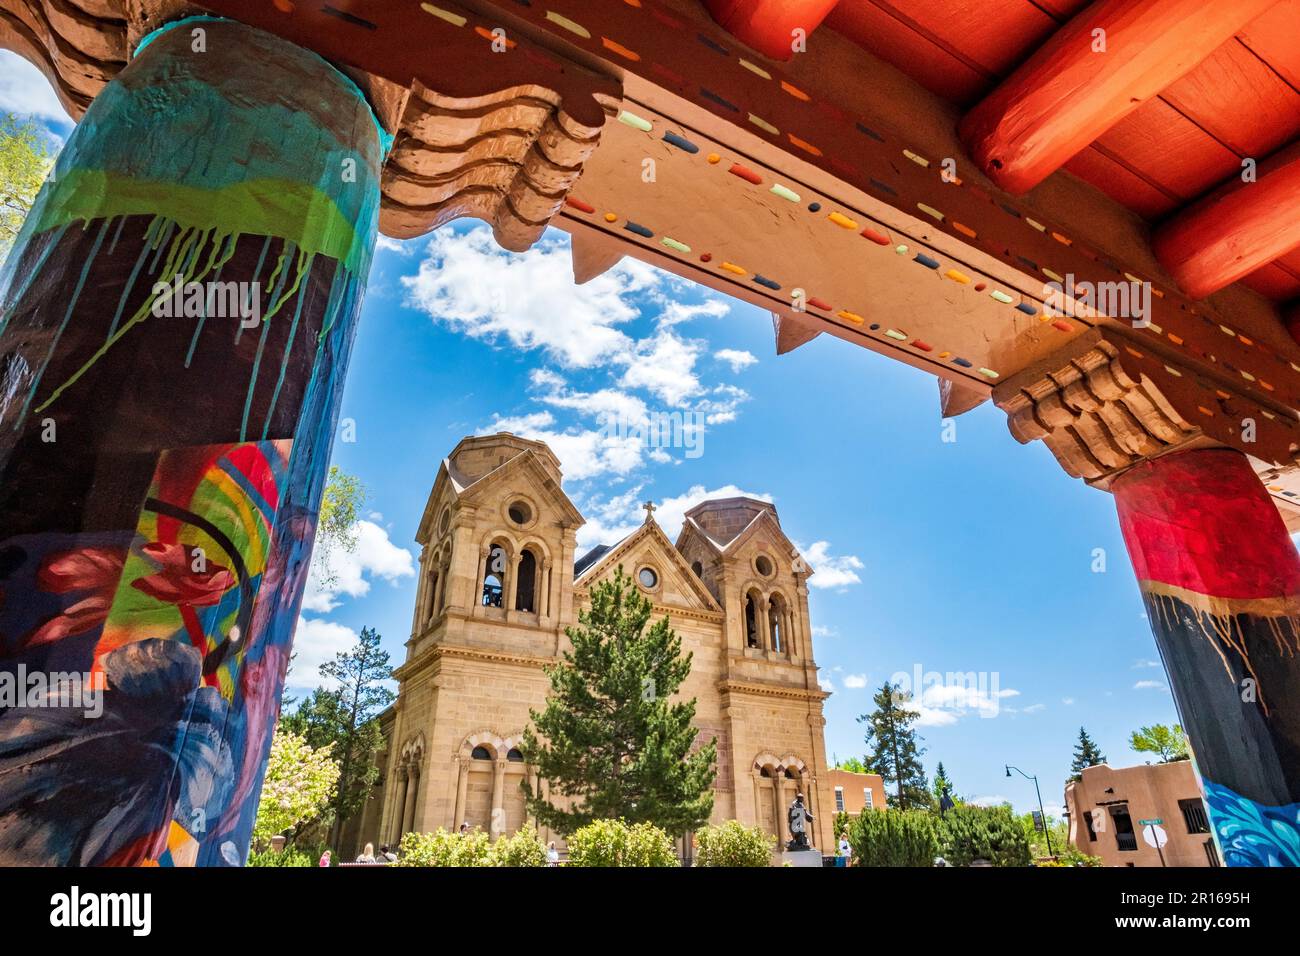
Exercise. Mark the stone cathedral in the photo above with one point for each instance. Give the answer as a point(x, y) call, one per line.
point(500, 580)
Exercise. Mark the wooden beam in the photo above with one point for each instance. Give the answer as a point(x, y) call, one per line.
point(1101, 66)
point(1236, 229)
point(769, 25)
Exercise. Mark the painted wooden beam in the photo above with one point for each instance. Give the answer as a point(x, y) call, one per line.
point(769, 25)
point(1236, 229)
point(1094, 71)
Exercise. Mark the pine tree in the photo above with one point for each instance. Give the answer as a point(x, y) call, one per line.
point(610, 743)
point(892, 747)
point(1086, 754)
point(344, 719)
point(942, 787)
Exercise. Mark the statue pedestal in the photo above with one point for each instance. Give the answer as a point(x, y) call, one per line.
point(801, 858)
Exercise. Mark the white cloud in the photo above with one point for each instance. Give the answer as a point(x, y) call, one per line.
point(820, 630)
point(738, 359)
point(855, 681)
point(403, 247)
point(529, 299)
point(349, 571)
point(1145, 663)
point(315, 642)
point(25, 90)
point(1149, 685)
point(1067, 701)
point(993, 800)
point(826, 683)
point(664, 365)
point(943, 704)
point(830, 571)
point(583, 452)
point(1033, 708)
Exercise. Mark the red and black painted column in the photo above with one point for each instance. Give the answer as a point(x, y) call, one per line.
point(1221, 580)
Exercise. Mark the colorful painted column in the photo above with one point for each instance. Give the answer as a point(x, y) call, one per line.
point(176, 322)
point(1221, 581)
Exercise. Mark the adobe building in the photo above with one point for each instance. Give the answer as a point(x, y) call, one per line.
point(1106, 806)
point(852, 792)
point(501, 579)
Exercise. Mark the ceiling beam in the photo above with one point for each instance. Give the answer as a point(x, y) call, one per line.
point(768, 26)
point(1102, 65)
point(1234, 230)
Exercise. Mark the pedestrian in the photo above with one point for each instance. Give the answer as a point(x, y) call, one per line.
point(846, 851)
point(368, 854)
point(552, 854)
point(325, 859)
point(386, 855)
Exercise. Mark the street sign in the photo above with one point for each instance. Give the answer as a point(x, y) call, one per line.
point(1154, 835)
point(1151, 823)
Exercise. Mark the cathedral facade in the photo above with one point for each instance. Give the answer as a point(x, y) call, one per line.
point(501, 579)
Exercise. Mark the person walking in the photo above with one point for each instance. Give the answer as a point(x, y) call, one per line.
point(324, 859)
point(368, 854)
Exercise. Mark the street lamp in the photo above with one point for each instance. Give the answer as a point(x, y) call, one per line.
point(1047, 826)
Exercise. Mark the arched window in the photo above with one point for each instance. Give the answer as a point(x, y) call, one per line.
point(751, 621)
point(525, 590)
point(515, 755)
point(698, 569)
point(765, 772)
point(789, 774)
point(494, 577)
point(776, 623)
point(480, 753)
point(433, 593)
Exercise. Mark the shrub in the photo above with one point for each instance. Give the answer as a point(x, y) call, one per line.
point(443, 848)
point(893, 838)
point(969, 833)
point(614, 843)
point(733, 844)
point(523, 849)
point(287, 858)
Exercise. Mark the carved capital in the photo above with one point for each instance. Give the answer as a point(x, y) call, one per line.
point(1095, 417)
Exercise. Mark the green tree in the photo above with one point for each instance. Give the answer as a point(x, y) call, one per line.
point(345, 720)
point(298, 785)
point(1038, 839)
point(609, 735)
point(340, 509)
point(892, 745)
point(942, 785)
point(1086, 754)
point(968, 833)
point(894, 838)
point(1166, 742)
point(852, 764)
point(25, 159)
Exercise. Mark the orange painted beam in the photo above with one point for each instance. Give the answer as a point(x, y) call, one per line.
point(1102, 65)
point(768, 25)
point(1234, 230)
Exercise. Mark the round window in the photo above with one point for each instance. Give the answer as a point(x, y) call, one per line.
point(648, 578)
point(764, 565)
point(444, 522)
point(519, 512)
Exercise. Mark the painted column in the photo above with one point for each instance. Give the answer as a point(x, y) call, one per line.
point(1221, 580)
point(176, 319)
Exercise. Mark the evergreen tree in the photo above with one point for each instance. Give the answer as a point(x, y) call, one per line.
point(344, 719)
point(609, 739)
point(892, 747)
point(942, 787)
point(1086, 754)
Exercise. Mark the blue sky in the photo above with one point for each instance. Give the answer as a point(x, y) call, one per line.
point(968, 555)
